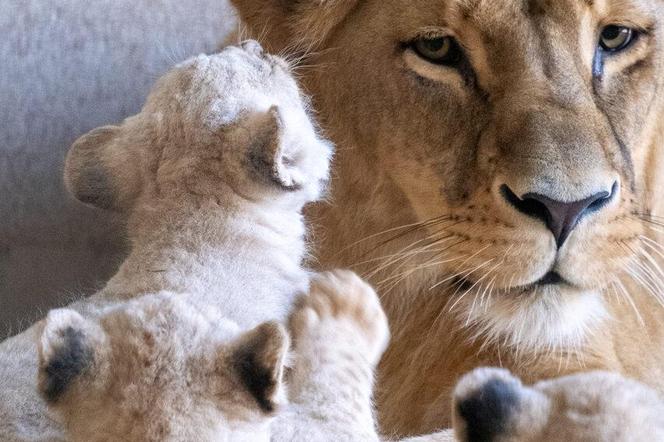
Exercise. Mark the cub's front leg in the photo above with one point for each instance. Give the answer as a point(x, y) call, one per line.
point(340, 332)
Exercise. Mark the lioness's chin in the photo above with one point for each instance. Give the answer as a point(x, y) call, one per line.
point(554, 316)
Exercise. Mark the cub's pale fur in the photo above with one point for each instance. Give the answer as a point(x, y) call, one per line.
point(211, 176)
point(230, 149)
point(527, 100)
point(340, 333)
point(492, 405)
point(160, 369)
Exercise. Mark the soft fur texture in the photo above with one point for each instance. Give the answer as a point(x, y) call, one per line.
point(425, 149)
point(225, 156)
point(492, 405)
point(212, 175)
point(153, 368)
point(160, 369)
point(340, 333)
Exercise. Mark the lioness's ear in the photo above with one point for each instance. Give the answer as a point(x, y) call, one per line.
point(259, 358)
point(302, 24)
point(99, 171)
point(67, 346)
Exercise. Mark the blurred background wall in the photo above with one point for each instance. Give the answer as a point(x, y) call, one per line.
point(68, 66)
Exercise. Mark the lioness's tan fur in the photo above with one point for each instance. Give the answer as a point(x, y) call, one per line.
point(423, 151)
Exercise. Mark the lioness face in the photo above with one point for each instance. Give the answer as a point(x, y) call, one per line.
point(518, 133)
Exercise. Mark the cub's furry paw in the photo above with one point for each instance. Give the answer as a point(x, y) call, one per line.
point(341, 310)
point(492, 405)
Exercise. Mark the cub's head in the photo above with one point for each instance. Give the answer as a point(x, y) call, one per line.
point(156, 369)
point(492, 405)
point(517, 142)
point(230, 124)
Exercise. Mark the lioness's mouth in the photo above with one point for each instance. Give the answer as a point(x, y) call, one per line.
point(552, 278)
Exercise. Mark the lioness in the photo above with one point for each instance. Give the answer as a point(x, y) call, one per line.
point(498, 180)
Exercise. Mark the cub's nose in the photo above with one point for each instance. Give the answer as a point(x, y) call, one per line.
point(560, 217)
point(252, 46)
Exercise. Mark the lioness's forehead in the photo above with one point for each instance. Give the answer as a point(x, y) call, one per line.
point(518, 38)
point(499, 13)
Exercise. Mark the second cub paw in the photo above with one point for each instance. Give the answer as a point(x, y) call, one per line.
point(341, 306)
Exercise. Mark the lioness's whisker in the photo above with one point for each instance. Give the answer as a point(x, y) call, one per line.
point(420, 267)
point(653, 265)
point(424, 266)
point(405, 252)
point(651, 219)
point(416, 225)
point(481, 294)
point(642, 275)
point(460, 284)
point(654, 245)
point(618, 284)
point(438, 252)
point(460, 265)
point(418, 251)
point(399, 256)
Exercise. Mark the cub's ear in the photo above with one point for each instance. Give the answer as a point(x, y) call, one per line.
point(67, 346)
point(297, 24)
point(267, 156)
point(258, 358)
point(487, 404)
point(99, 171)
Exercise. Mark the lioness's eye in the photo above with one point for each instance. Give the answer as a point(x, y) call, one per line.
point(439, 50)
point(616, 38)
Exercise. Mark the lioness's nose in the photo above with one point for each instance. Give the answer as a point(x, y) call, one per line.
point(560, 217)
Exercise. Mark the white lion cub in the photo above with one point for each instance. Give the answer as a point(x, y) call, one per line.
point(212, 174)
point(160, 369)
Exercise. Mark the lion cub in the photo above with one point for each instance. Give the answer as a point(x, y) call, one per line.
point(159, 368)
point(182, 343)
point(492, 405)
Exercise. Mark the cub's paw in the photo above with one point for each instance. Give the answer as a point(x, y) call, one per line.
point(341, 309)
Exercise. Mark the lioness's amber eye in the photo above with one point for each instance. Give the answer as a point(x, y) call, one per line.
point(616, 38)
point(439, 50)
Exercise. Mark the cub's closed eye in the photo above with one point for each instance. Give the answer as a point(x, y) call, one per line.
point(439, 50)
point(616, 38)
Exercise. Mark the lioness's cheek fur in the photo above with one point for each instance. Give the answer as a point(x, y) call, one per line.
point(444, 174)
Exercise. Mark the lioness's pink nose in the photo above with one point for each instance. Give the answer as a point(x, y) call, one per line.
point(560, 217)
